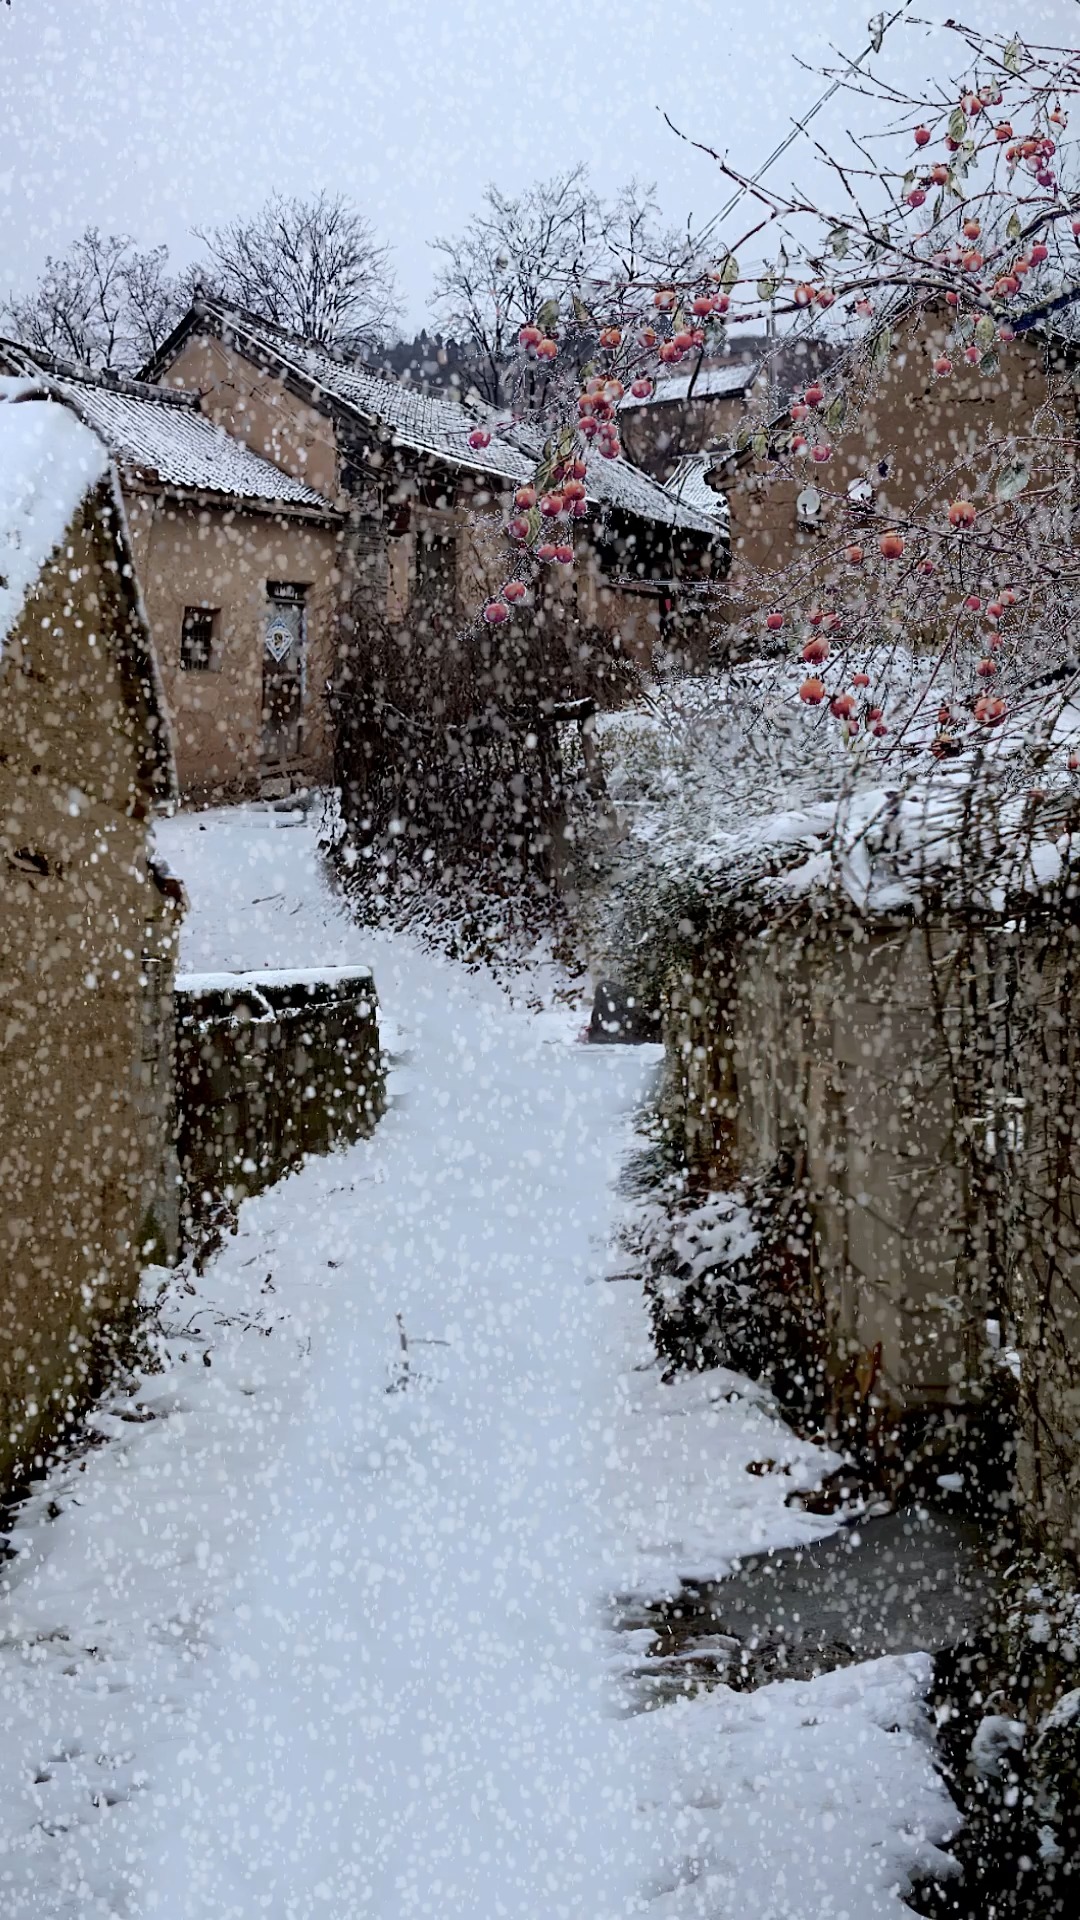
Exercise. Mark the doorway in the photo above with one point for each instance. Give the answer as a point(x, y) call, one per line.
point(283, 678)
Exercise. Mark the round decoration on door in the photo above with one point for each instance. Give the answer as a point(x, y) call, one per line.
point(279, 638)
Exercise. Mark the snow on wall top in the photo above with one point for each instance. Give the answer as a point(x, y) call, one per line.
point(736, 794)
point(429, 423)
point(271, 977)
point(49, 462)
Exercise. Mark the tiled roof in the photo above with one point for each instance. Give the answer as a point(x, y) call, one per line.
point(430, 423)
point(618, 483)
point(163, 434)
point(711, 383)
point(183, 448)
point(689, 485)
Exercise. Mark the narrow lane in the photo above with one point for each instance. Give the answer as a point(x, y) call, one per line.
point(406, 1717)
point(324, 1627)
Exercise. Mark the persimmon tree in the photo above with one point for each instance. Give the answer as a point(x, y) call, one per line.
point(928, 650)
point(957, 209)
point(959, 205)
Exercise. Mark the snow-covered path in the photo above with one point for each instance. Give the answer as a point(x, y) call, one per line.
point(325, 1635)
point(408, 1718)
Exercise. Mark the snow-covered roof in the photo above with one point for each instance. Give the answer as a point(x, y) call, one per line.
point(618, 483)
point(49, 462)
point(712, 383)
point(185, 449)
point(889, 850)
point(430, 423)
point(737, 795)
point(162, 435)
point(688, 483)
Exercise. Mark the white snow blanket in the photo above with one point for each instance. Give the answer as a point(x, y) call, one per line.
point(48, 463)
point(321, 1628)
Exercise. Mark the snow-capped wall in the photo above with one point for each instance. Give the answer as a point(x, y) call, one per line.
point(270, 1067)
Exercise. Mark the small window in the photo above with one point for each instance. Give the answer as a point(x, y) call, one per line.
point(197, 636)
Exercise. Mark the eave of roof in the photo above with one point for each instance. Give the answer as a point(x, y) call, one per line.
point(299, 364)
point(712, 383)
point(163, 442)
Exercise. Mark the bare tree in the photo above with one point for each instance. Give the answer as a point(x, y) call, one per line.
point(311, 265)
point(517, 255)
point(156, 301)
point(102, 304)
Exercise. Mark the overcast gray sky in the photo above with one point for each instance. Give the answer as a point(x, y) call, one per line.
point(156, 115)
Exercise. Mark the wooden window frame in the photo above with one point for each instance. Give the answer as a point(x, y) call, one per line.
point(211, 663)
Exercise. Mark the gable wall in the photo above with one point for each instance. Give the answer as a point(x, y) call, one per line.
point(216, 557)
point(656, 435)
point(260, 410)
point(83, 1085)
point(928, 431)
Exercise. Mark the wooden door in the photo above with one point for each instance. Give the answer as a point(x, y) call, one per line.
point(283, 667)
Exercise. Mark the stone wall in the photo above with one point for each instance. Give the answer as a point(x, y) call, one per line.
point(270, 1067)
point(907, 1097)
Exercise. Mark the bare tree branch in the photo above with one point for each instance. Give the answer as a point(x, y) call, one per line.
point(311, 265)
point(102, 304)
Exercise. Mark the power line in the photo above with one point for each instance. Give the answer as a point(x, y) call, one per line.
point(800, 126)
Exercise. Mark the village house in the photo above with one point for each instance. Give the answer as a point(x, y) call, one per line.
point(237, 563)
point(87, 922)
point(690, 413)
point(425, 508)
point(907, 436)
point(698, 413)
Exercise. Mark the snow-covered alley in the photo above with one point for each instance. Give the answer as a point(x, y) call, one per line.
point(322, 1626)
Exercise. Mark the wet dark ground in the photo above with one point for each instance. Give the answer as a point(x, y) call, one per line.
point(904, 1582)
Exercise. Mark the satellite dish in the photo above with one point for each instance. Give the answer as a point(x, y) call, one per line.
point(808, 504)
point(860, 493)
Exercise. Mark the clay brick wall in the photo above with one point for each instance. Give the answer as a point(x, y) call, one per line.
point(222, 559)
point(825, 1056)
point(657, 434)
point(259, 410)
point(914, 437)
point(86, 952)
